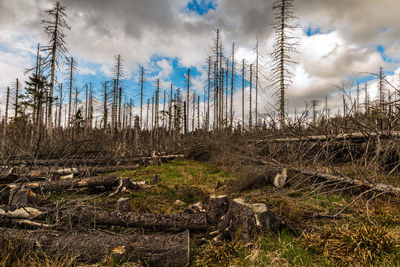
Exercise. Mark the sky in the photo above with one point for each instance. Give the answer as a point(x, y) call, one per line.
point(340, 43)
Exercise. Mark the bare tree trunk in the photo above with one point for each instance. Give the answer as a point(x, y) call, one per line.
point(141, 98)
point(185, 117)
point(163, 116)
point(216, 83)
point(70, 90)
point(5, 121)
point(147, 115)
point(215, 123)
point(250, 98)
point(156, 114)
point(256, 103)
point(16, 99)
point(232, 81)
point(366, 99)
point(60, 103)
point(113, 116)
point(105, 106)
point(208, 95)
point(282, 66)
point(35, 100)
point(226, 93)
point(243, 93)
point(188, 99)
point(119, 91)
point(6, 111)
point(170, 112)
point(194, 111)
point(53, 64)
point(198, 112)
point(130, 113)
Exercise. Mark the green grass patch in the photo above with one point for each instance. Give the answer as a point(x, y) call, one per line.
point(185, 180)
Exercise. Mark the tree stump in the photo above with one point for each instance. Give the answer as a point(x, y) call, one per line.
point(247, 219)
point(217, 207)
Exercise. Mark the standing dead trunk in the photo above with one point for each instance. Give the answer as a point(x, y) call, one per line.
point(243, 93)
point(250, 98)
point(16, 107)
point(70, 90)
point(188, 99)
point(232, 82)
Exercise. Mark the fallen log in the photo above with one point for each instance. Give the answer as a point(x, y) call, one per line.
point(55, 173)
point(367, 185)
point(91, 182)
point(90, 162)
point(97, 247)
point(158, 222)
point(340, 137)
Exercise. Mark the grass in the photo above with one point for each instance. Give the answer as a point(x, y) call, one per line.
point(356, 242)
point(184, 180)
point(14, 252)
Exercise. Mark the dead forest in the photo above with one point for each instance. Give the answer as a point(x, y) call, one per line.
point(186, 178)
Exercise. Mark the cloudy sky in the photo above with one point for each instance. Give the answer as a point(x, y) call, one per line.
point(339, 42)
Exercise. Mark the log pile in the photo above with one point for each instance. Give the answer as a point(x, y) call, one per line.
point(220, 220)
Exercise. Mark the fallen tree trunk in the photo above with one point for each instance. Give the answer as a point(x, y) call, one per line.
point(55, 173)
point(91, 162)
point(91, 182)
point(159, 222)
point(377, 187)
point(96, 247)
point(347, 136)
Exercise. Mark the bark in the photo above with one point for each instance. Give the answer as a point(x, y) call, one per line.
point(91, 182)
point(96, 247)
point(55, 173)
point(357, 136)
point(217, 207)
point(91, 162)
point(376, 187)
point(248, 220)
point(158, 222)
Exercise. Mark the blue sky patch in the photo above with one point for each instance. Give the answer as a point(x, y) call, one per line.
point(201, 7)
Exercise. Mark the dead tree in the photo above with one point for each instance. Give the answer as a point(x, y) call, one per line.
point(187, 101)
point(16, 106)
point(250, 98)
point(366, 99)
point(60, 102)
point(256, 103)
point(284, 44)
point(56, 49)
point(208, 95)
point(5, 120)
point(243, 92)
point(232, 82)
point(118, 74)
point(147, 114)
point(72, 70)
point(170, 111)
point(105, 111)
point(113, 116)
point(141, 98)
point(6, 111)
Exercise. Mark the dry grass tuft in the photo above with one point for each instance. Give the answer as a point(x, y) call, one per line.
point(364, 245)
point(14, 252)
